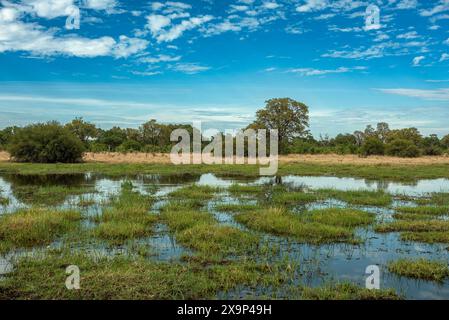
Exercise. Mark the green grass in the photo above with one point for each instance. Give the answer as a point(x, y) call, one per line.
point(49, 195)
point(437, 198)
point(425, 210)
point(414, 226)
point(281, 222)
point(35, 227)
point(137, 279)
point(218, 240)
point(245, 190)
point(358, 197)
point(341, 217)
point(200, 231)
point(426, 237)
point(391, 172)
point(420, 269)
point(292, 198)
point(128, 217)
point(234, 208)
point(347, 291)
point(120, 231)
point(195, 192)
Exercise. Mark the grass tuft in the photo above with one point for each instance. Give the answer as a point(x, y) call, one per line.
point(35, 226)
point(420, 269)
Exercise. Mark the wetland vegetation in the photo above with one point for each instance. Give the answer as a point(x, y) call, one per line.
point(198, 236)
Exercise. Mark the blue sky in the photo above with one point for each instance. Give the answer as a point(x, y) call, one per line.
point(218, 61)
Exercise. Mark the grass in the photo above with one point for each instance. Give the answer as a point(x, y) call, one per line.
point(426, 237)
point(127, 218)
point(49, 195)
point(420, 269)
point(292, 198)
point(341, 217)
point(234, 208)
point(139, 279)
point(358, 197)
point(391, 171)
point(240, 189)
point(35, 227)
point(425, 210)
point(280, 221)
point(195, 192)
point(120, 231)
point(436, 199)
point(413, 226)
point(200, 231)
point(347, 291)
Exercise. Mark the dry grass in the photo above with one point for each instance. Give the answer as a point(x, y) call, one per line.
point(161, 158)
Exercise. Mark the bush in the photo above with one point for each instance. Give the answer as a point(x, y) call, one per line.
point(373, 146)
point(45, 143)
point(402, 148)
point(129, 146)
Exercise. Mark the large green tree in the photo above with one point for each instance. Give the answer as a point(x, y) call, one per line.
point(82, 129)
point(45, 143)
point(289, 117)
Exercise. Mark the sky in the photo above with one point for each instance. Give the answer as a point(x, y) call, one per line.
point(121, 63)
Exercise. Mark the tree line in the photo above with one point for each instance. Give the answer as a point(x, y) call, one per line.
point(56, 142)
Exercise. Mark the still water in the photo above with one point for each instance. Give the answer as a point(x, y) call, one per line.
point(318, 263)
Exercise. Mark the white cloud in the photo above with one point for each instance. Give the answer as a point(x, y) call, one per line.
point(270, 5)
point(108, 5)
point(16, 35)
point(443, 5)
point(189, 68)
point(444, 57)
point(408, 35)
point(312, 5)
point(160, 58)
point(417, 60)
point(320, 72)
point(407, 4)
point(434, 95)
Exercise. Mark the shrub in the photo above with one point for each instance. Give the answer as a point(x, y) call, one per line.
point(45, 143)
point(373, 146)
point(402, 148)
point(129, 146)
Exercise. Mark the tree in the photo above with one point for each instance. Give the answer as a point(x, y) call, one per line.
point(382, 131)
point(150, 132)
point(402, 148)
point(411, 134)
point(289, 117)
point(372, 146)
point(45, 143)
point(82, 129)
point(431, 145)
point(359, 138)
point(112, 138)
point(445, 142)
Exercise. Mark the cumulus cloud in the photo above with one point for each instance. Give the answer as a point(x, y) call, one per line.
point(16, 35)
point(417, 60)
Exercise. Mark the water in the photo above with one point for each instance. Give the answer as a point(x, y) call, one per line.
point(318, 264)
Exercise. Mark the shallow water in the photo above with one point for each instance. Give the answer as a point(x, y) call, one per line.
point(318, 264)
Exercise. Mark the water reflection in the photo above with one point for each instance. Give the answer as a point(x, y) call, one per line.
point(317, 263)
